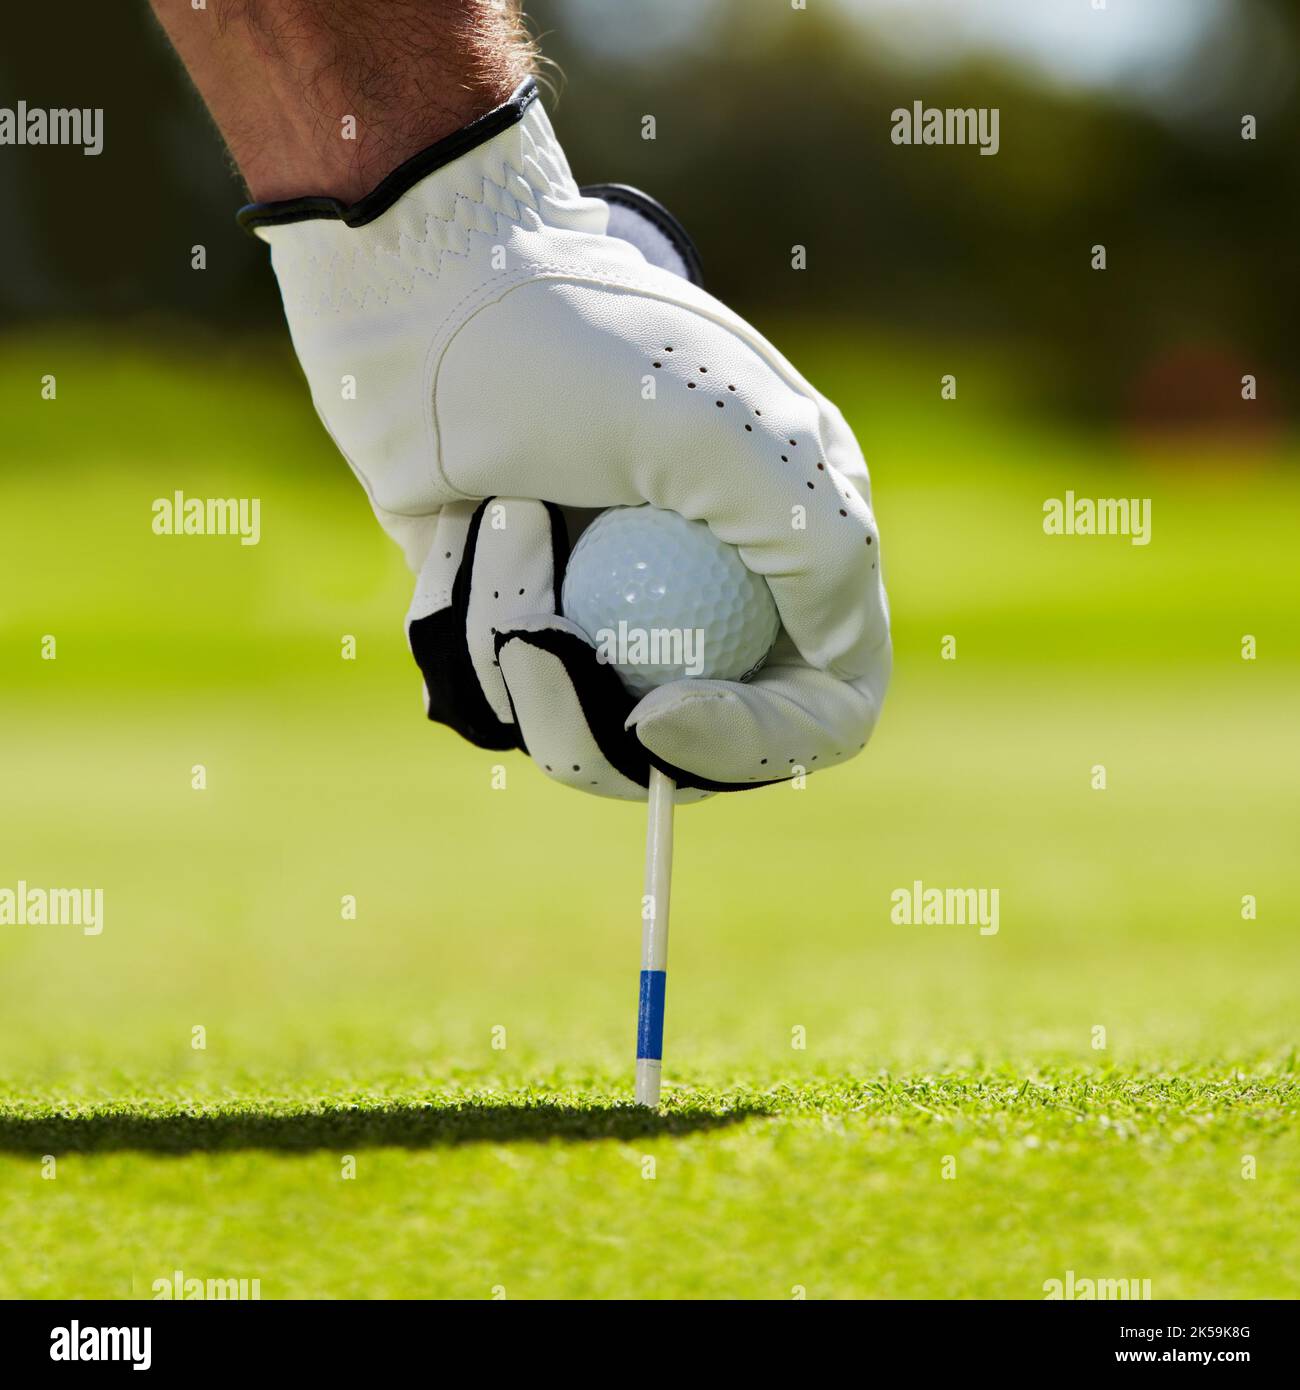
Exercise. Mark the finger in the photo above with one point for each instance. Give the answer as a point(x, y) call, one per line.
point(513, 564)
point(489, 563)
point(790, 717)
point(434, 582)
point(571, 710)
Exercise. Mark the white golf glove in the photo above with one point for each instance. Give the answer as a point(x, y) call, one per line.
point(499, 356)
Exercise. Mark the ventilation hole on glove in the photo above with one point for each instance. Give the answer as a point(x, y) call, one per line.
point(690, 386)
point(731, 388)
point(721, 404)
point(521, 593)
point(821, 467)
point(704, 369)
point(794, 443)
point(785, 458)
point(595, 784)
point(762, 762)
point(667, 349)
point(547, 766)
point(576, 768)
point(868, 540)
point(791, 760)
point(811, 485)
point(656, 364)
point(495, 594)
point(813, 759)
point(448, 555)
point(750, 428)
point(495, 662)
point(843, 512)
point(758, 412)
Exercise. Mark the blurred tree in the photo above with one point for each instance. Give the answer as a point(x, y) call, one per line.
point(772, 130)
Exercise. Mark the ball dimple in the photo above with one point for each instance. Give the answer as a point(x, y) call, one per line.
point(659, 573)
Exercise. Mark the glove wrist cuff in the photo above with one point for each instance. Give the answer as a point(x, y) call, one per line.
point(256, 216)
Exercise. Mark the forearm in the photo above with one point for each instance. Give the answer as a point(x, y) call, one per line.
point(282, 78)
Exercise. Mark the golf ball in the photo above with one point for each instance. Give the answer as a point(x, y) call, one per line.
point(663, 599)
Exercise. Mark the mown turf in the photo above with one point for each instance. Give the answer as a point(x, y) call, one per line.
point(1150, 1109)
point(956, 1185)
point(854, 1107)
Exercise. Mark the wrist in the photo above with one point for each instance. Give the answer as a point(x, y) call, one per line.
point(312, 106)
point(345, 156)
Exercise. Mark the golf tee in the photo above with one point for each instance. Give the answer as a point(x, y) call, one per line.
point(654, 939)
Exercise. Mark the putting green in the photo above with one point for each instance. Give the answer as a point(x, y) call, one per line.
point(856, 1108)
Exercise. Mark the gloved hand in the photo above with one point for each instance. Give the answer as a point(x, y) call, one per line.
point(497, 367)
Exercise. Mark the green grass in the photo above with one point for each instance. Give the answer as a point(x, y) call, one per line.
point(961, 1185)
point(467, 1038)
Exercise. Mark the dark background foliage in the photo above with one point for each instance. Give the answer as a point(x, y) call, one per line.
point(772, 131)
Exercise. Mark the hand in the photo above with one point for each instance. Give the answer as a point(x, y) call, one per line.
point(472, 331)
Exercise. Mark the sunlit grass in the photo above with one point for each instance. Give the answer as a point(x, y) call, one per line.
point(855, 1107)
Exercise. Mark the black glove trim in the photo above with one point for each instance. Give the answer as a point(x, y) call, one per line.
point(654, 212)
point(441, 651)
point(606, 703)
point(455, 698)
point(404, 177)
point(603, 698)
